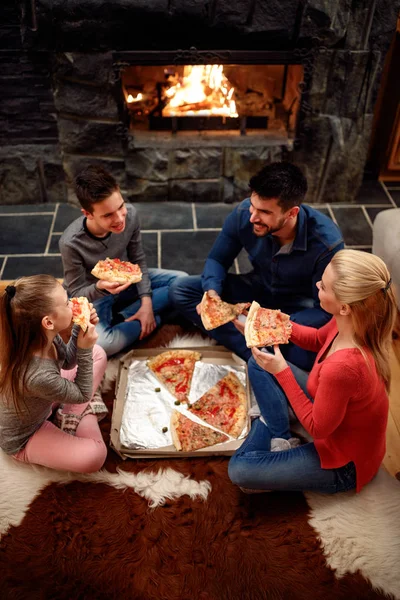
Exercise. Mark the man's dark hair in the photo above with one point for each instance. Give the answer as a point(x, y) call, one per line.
point(281, 180)
point(94, 184)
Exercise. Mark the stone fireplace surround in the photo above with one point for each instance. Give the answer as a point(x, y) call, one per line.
point(63, 107)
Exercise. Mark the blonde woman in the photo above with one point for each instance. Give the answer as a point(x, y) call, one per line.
point(342, 403)
point(38, 372)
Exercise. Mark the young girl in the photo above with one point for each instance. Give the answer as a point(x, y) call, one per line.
point(343, 404)
point(38, 371)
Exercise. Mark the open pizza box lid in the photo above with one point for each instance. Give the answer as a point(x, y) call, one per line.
point(212, 354)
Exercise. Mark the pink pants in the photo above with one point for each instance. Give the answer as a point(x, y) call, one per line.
point(83, 453)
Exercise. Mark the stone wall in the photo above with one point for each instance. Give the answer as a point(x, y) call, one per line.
point(62, 100)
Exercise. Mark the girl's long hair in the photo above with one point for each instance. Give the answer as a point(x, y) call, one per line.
point(21, 332)
point(363, 282)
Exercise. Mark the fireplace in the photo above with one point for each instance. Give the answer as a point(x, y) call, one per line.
point(98, 82)
point(212, 97)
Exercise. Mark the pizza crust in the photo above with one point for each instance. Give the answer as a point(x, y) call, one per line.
point(174, 424)
point(248, 327)
point(158, 360)
point(227, 312)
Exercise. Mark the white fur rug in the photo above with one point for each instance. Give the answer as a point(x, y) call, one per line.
point(21, 483)
point(361, 532)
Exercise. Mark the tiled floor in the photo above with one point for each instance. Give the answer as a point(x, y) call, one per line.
point(175, 235)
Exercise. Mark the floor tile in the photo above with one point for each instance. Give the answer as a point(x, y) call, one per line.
point(65, 215)
point(32, 265)
point(186, 251)
point(371, 192)
point(372, 212)
point(165, 215)
point(390, 184)
point(24, 235)
point(355, 227)
point(53, 248)
point(150, 246)
point(26, 208)
point(212, 215)
point(396, 196)
point(245, 265)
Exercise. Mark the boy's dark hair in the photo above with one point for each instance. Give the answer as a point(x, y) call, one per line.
point(94, 184)
point(281, 180)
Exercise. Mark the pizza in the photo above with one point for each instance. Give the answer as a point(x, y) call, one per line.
point(174, 369)
point(187, 435)
point(81, 312)
point(223, 406)
point(215, 312)
point(116, 270)
point(266, 327)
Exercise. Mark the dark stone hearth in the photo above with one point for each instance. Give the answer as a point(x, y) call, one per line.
point(73, 164)
point(196, 164)
point(90, 137)
point(140, 190)
point(31, 174)
point(151, 164)
point(61, 69)
point(86, 100)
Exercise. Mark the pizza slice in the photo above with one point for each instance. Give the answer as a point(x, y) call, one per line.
point(266, 327)
point(188, 435)
point(174, 369)
point(81, 312)
point(223, 406)
point(116, 270)
point(215, 312)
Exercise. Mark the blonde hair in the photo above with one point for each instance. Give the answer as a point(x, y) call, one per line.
point(21, 331)
point(362, 281)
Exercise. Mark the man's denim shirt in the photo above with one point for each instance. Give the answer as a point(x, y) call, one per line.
point(286, 275)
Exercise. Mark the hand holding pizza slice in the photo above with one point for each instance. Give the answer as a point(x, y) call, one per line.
point(215, 312)
point(115, 270)
point(266, 327)
point(81, 312)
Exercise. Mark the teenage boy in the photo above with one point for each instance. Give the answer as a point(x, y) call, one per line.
point(110, 228)
point(288, 245)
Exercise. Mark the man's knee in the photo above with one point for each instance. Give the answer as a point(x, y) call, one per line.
point(183, 288)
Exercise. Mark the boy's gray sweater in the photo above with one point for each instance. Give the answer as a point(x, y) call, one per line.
point(81, 250)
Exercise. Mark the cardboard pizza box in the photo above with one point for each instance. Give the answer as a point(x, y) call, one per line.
point(211, 354)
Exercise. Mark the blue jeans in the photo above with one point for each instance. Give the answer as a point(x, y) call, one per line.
point(254, 466)
point(272, 400)
point(114, 338)
point(186, 293)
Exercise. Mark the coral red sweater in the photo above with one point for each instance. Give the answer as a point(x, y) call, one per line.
point(349, 415)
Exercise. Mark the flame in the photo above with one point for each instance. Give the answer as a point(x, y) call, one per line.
point(203, 91)
point(137, 98)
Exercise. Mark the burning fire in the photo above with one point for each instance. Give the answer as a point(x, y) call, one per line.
point(137, 98)
point(202, 91)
